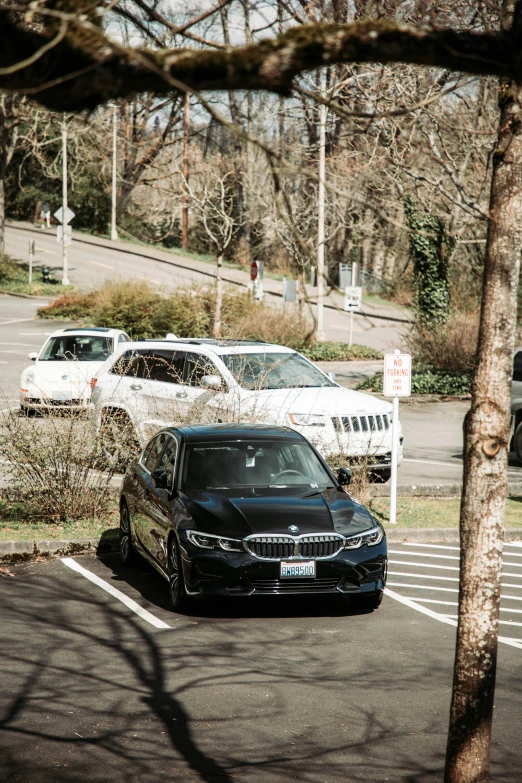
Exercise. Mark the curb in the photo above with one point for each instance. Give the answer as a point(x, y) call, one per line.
point(14, 552)
point(26, 296)
point(433, 490)
point(21, 551)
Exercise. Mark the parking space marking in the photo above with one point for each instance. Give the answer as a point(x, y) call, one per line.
point(129, 603)
point(432, 546)
point(422, 554)
point(441, 618)
point(98, 263)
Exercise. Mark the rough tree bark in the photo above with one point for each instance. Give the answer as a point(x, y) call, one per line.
point(485, 459)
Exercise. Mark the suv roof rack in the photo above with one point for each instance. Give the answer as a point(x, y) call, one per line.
point(88, 329)
point(204, 341)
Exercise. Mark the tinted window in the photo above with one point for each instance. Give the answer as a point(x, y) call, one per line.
point(157, 365)
point(80, 348)
point(196, 366)
point(517, 367)
point(231, 464)
point(168, 459)
point(152, 452)
point(274, 371)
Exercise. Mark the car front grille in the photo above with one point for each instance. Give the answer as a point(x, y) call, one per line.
point(317, 546)
point(47, 401)
point(375, 423)
point(318, 585)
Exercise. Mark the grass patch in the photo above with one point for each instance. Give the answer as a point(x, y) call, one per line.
point(339, 352)
point(14, 278)
point(435, 512)
point(22, 521)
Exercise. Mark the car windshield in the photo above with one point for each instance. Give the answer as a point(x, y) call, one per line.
point(230, 465)
point(78, 347)
point(274, 371)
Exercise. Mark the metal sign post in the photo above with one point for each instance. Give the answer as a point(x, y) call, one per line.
point(396, 383)
point(352, 304)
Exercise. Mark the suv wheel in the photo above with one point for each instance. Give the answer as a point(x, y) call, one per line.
point(367, 601)
point(177, 592)
point(127, 551)
point(517, 442)
point(119, 442)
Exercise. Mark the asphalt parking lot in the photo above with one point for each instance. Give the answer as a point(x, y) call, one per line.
point(105, 687)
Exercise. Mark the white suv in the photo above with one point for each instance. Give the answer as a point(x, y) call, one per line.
point(154, 383)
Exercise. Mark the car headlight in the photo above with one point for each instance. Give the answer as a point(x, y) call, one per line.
point(28, 377)
point(371, 537)
point(207, 541)
point(307, 419)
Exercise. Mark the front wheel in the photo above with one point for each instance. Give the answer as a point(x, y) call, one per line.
point(127, 552)
point(177, 592)
point(517, 442)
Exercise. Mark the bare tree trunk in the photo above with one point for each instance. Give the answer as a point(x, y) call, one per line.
point(216, 331)
point(485, 463)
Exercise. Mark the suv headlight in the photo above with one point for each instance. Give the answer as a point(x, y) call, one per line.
point(28, 376)
point(207, 541)
point(307, 419)
point(371, 537)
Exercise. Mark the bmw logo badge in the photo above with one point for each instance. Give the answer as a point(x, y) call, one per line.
point(293, 529)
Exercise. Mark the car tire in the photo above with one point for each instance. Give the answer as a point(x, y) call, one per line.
point(517, 442)
point(128, 554)
point(367, 602)
point(177, 592)
point(26, 411)
point(119, 442)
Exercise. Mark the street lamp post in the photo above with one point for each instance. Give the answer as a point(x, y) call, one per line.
point(320, 216)
point(65, 275)
point(114, 231)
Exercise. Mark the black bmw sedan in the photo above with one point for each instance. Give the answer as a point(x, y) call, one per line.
point(240, 510)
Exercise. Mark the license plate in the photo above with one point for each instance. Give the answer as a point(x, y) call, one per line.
point(292, 570)
point(59, 396)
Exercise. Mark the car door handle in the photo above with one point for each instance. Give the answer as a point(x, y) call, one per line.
point(181, 395)
point(135, 386)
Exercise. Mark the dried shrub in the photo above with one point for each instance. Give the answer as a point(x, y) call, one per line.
point(450, 347)
point(55, 464)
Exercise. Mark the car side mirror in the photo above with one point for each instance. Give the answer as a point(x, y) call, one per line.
point(344, 477)
point(33, 356)
point(211, 382)
point(159, 478)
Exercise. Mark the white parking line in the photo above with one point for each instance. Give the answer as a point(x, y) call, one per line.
point(424, 576)
point(98, 263)
point(423, 565)
point(15, 321)
point(129, 603)
point(433, 546)
point(441, 617)
point(422, 554)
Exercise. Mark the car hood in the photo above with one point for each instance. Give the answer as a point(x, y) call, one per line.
point(76, 372)
point(329, 400)
point(330, 511)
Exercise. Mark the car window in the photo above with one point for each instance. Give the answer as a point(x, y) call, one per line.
point(517, 367)
point(127, 364)
point(230, 464)
point(196, 366)
point(168, 459)
point(123, 338)
point(158, 365)
point(80, 348)
point(274, 371)
point(152, 452)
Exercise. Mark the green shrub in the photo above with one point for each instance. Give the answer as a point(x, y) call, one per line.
point(339, 352)
point(427, 380)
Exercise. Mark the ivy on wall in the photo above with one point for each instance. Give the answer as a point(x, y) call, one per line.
point(430, 248)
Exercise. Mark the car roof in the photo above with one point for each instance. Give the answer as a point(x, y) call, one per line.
point(87, 330)
point(219, 347)
point(206, 433)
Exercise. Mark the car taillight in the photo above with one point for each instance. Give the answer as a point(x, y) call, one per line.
point(92, 383)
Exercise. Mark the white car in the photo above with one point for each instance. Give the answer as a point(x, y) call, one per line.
point(62, 370)
point(155, 383)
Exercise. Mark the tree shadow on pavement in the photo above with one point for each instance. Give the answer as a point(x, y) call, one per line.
point(91, 693)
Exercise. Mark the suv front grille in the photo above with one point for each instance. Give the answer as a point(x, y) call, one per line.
point(316, 545)
point(318, 585)
point(374, 423)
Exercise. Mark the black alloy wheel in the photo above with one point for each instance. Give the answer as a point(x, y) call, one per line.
point(177, 592)
point(517, 442)
point(127, 551)
point(367, 601)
